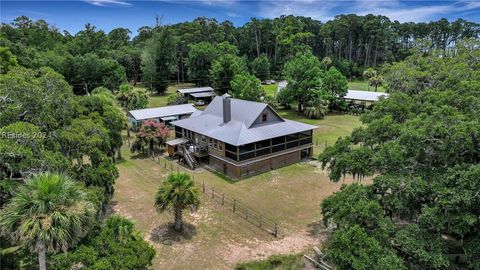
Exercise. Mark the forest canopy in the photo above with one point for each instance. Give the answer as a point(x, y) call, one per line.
point(422, 146)
point(187, 51)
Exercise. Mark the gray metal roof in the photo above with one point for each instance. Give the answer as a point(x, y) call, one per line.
point(351, 94)
point(364, 95)
point(160, 112)
point(203, 94)
point(242, 110)
point(281, 85)
point(195, 90)
point(176, 141)
point(169, 118)
point(239, 131)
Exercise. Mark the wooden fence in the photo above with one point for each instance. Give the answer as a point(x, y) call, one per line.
point(254, 217)
point(249, 214)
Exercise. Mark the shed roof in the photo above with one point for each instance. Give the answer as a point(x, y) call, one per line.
point(203, 94)
point(195, 90)
point(176, 141)
point(351, 94)
point(364, 95)
point(169, 118)
point(239, 130)
point(281, 85)
point(162, 111)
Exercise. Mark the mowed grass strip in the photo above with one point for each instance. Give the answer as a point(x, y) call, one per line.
point(363, 86)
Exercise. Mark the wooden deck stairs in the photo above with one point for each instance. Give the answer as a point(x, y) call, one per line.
point(191, 161)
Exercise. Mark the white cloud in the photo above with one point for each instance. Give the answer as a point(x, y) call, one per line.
point(102, 3)
point(320, 10)
point(400, 10)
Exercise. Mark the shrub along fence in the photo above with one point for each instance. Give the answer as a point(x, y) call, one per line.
point(249, 214)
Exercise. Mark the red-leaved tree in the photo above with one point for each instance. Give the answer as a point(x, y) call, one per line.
point(152, 135)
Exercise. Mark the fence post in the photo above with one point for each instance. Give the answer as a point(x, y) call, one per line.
point(261, 220)
point(203, 186)
point(275, 230)
point(234, 204)
point(213, 193)
point(246, 213)
point(171, 166)
point(223, 198)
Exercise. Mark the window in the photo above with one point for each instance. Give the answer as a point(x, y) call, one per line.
point(215, 144)
point(264, 117)
point(262, 144)
point(231, 148)
point(231, 156)
point(278, 140)
point(204, 139)
point(247, 147)
point(220, 147)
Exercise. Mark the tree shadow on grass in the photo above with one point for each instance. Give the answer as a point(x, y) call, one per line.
point(165, 234)
point(317, 229)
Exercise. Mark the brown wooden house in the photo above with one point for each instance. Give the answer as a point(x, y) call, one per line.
point(241, 138)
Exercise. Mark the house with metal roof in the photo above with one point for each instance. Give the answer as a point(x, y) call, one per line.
point(161, 114)
point(352, 95)
point(357, 95)
point(205, 94)
point(240, 138)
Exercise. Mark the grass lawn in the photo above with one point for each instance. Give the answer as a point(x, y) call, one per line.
point(330, 128)
point(270, 89)
point(161, 100)
point(215, 237)
point(363, 85)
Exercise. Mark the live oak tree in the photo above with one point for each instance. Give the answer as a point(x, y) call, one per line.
point(248, 87)
point(423, 146)
point(303, 75)
point(177, 193)
point(48, 214)
point(261, 67)
point(116, 245)
point(335, 84)
point(225, 67)
point(7, 60)
point(199, 61)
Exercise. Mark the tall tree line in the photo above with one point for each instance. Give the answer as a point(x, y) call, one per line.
point(163, 53)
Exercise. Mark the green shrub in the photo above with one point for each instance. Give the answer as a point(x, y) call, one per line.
point(277, 262)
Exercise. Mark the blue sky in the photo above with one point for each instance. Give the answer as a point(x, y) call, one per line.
point(108, 14)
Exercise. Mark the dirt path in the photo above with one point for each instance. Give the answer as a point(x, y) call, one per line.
point(258, 249)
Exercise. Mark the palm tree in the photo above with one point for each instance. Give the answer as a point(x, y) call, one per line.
point(177, 193)
point(376, 81)
point(316, 108)
point(49, 213)
point(369, 73)
point(131, 98)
